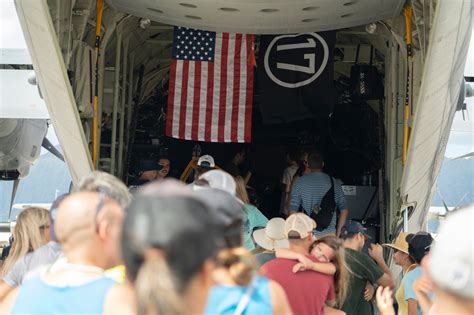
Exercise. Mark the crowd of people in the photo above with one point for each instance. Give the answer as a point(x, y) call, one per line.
point(204, 248)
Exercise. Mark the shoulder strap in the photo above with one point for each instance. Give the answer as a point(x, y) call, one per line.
point(245, 299)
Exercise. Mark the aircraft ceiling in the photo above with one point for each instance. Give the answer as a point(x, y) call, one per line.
point(262, 16)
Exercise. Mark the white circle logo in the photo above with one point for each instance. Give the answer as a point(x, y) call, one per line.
point(310, 58)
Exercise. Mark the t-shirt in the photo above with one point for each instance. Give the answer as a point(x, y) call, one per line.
point(409, 279)
point(363, 269)
point(263, 258)
point(307, 291)
point(288, 174)
point(253, 218)
point(43, 255)
point(309, 190)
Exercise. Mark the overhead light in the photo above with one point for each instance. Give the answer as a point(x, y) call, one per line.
point(371, 28)
point(145, 23)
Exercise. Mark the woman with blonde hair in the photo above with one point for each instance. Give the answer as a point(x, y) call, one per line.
point(30, 232)
point(330, 255)
point(253, 218)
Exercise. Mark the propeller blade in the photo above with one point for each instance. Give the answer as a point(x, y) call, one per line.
point(444, 202)
point(460, 202)
point(468, 155)
point(48, 146)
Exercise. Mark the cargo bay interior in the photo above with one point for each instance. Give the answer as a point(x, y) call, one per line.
point(357, 135)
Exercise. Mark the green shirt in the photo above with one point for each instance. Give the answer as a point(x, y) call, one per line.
point(252, 218)
point(362, 269)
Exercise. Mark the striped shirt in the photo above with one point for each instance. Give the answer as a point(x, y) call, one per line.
point(309, 190)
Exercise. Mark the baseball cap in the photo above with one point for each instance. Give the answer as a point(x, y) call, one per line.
point(354, 227)
point(178, 225)
point(400, 243)
point(206, 161)
point(272, 236)
point(219, 179)
point(148, 164)
point(451, 264)
point(419, 245)
point(299, 223)
point(227, 213)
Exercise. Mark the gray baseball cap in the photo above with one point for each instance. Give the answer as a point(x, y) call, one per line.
point(452, 255)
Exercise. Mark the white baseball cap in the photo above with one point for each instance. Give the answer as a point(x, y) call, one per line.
point(219, 179)
point(272, 236)
point(206, 161)
point(299, 223)
point(452, 255)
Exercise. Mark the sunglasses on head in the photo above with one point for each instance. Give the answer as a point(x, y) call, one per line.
point(100, 205)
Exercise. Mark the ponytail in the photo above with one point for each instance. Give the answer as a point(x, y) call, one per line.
point(156, 289)
point(240, 264)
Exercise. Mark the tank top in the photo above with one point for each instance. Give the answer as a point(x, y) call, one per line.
point(223, 299)
point(37, 297)
point(400, 294)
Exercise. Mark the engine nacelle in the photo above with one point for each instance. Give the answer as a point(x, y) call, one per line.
point(20, 145)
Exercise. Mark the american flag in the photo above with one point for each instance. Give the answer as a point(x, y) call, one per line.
point(211, 86)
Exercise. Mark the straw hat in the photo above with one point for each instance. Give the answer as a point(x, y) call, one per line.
point(400, 243)
point(272, 236)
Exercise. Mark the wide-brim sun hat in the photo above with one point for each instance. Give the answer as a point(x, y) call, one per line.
point(400, 243)
point(272, 236)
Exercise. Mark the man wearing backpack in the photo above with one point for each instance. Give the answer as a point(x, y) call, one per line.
point(320, 197)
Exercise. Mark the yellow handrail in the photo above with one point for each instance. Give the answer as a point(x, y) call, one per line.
point(95, 122)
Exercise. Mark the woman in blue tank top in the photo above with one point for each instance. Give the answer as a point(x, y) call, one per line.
point(239, 291)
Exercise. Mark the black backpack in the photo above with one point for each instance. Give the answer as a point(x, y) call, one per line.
point(324, 212)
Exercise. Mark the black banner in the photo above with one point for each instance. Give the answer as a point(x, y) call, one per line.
point(295, 76)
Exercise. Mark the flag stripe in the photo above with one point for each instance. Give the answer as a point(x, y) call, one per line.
point(223, 87)
point(196, 100)
point(210, 101)
point(189, 101)
point(184, 93)
point(177, 97)
point(242, 97)
point(230, 74)
point(236, 89)
point(249, 95)
point(217, 88)
point(203, 103)
point(172, 89)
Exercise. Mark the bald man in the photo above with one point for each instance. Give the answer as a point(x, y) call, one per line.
point(89, 225)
